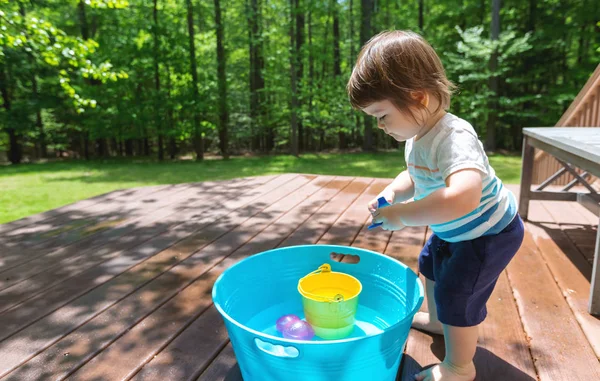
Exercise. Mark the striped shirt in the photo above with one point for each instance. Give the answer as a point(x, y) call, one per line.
point(450, 146)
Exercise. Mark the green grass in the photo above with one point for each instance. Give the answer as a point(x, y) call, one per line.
point(33, 188)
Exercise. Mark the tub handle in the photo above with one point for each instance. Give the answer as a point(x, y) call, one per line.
point(276, 350)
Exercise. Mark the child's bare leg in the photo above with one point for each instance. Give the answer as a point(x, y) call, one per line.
point(428, 322)
point(461, 343)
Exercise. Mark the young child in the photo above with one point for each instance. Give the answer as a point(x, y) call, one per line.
point(400, 80)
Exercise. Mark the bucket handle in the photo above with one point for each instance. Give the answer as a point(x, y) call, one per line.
point(276, 350)
point(324, 268)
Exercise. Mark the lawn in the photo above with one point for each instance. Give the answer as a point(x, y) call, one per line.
point(33, 188)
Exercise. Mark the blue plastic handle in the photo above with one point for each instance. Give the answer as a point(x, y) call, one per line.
point(381, 203)
point(276, 350)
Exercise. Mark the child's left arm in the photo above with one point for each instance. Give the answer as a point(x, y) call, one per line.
point(461, 196)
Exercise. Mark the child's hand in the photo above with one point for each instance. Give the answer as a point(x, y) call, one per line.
point(389, 219)
point(388, 194)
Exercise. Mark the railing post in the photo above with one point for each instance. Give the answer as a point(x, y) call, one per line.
point(526, 176)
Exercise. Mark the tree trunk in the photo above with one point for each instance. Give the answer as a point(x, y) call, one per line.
point(493, 81)
point(257, 82)
point(222, 82)
point(321, 139)
point(36, 97)
point(114, 145)
point(337, 69)
point(532, 14)
point(85, 29)
point(311, 74)
point(269, 137)
point(352, 58)
point(198, 138)
point(365, 35)
point(351, 32)
point(172, 143)
point(581, 49)
point(252, 25)
point(38, 117)
point(482, 11)
point(128, 147)
point(157, 101)
point(102, 148)
point(14, 151)
point(530, 85)
point(324, 62)
point(293, 83)
point(172, 148)
point(85, 34)
point(299, 65)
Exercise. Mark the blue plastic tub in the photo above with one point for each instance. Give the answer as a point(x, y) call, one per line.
point(254, 293)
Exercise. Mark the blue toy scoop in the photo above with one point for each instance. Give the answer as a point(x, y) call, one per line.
point(381, 203)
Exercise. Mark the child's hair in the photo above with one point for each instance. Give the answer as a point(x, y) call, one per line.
point(393, 64)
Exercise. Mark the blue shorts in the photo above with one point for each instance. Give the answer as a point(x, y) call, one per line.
point(466, 272)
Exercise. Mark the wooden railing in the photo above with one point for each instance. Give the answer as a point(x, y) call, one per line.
point(584, 111)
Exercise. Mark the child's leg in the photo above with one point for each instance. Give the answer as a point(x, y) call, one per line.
point(461, 343)
point(465, 274)
point(428, 322)
point(423, 321)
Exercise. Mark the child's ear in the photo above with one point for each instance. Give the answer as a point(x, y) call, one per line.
point(421, 96)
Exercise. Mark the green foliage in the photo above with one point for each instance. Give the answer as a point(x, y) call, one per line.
point(98, 95)
point(470, 65)
point(27, 38)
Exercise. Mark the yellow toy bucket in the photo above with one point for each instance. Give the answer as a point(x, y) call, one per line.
point(330, 300)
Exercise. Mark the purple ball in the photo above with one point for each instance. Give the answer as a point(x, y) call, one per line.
point(299, 330)
point(285, 321)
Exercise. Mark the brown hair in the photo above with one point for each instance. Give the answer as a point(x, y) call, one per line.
point(393, 64)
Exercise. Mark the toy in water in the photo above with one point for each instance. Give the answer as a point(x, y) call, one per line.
point(381, 203)
point(299, 330)
point(286, 320)
point(330, 301)
point(292, 327)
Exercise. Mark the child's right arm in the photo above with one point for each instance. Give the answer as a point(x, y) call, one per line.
point(400, 190)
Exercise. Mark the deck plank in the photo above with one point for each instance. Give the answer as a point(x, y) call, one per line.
point(348, 229)
point(168, 218)
point(320, 223)
point(126, 224)
point(59, 323)
point(124, 357)
point(89, 276)
point(570, 270)
point(58, 231)
point(555, 338)
point(578, 224)
point(107, 320)
point(106, 228)
point(13, 253)
point(223, 368)
point(502, 349)
point(75, 207)
point(170, 363)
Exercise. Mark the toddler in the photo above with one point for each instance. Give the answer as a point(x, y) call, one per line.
point(399, 79)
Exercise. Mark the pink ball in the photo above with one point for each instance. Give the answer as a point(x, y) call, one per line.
point(285, 321)
point(299, 330)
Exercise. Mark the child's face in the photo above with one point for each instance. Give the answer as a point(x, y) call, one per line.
point(399, 125)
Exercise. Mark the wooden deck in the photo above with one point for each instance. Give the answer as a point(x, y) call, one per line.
point(118, 287)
